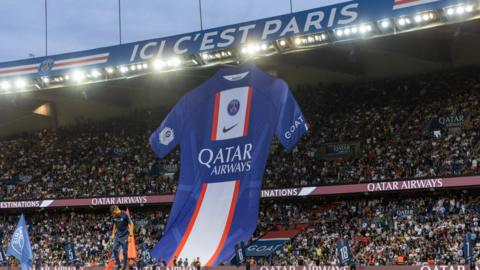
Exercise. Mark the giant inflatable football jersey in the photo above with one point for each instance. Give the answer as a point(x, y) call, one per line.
point(224, 128)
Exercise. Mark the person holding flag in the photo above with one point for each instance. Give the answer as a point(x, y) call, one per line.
point(19, 246)
point(122, 231)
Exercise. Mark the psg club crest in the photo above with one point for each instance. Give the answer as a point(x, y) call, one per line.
point(233, 107)
point(46, 66)
point(166, 136)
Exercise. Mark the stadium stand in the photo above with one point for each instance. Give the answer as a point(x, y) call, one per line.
point(89, 231)
point(381, 230)
point(388, 123)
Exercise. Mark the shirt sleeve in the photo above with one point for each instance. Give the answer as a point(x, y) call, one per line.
point(291, 125)
point(167, 136)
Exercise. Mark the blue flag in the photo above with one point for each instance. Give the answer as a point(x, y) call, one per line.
point(19, 245)
point(468, 244)
point(343, 252)
point(70, 252)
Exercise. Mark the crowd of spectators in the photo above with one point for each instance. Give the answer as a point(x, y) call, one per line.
point(381, 231)
point(392, 124)
point(89, 232)
point(388, 123)
point(390, 230)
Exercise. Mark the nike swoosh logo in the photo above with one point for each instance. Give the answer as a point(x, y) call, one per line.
point(225, 129)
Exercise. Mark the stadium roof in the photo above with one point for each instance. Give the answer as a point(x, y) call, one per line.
point(449, 46)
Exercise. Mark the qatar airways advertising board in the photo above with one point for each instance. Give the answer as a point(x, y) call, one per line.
point(374, 187)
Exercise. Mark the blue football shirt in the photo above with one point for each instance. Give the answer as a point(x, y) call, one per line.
point(224, 128)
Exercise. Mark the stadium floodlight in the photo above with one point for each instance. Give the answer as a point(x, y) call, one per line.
point(158, 64)
point(450, 11)
point(95, 73)
point(385, 23)
point(109, 70)
point(205, 56)
point(264, 47)
point(123, 69)
point(339, 32)
point(144, 65)
point(403, 21)
point(428, 16)
point(298, 41)
point(469, 8)
point(363, 29)
point(174, 62)
point(78, 76)
point(45, 80)
point(133, 67)
point(283, 43)
point(346, 32)
point(20, 83)
point(6, 85)
point(139, 66)
point(252, 49)
point(418, 18)
point(460, 10)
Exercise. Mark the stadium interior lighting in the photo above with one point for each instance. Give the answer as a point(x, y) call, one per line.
point(310, 40)
point(255, 48)
point(282, 43)
point(251, 49)
point(78, 76)
point(20, 83)
point(353, 31)
point(459, 10)
point(385, 24)
point(144, 65)
point(404, 21)
point(158, 64)
point(109, 70)
point(339, 32)
point(95, 73)
point(5, 85)
point(45, 80)
point(215, 56)
point(424, 17)
point(139, 66)
point(174, 62)
point(133, 67)
point(123, 69)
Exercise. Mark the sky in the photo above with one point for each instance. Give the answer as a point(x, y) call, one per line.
point(74, 25)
